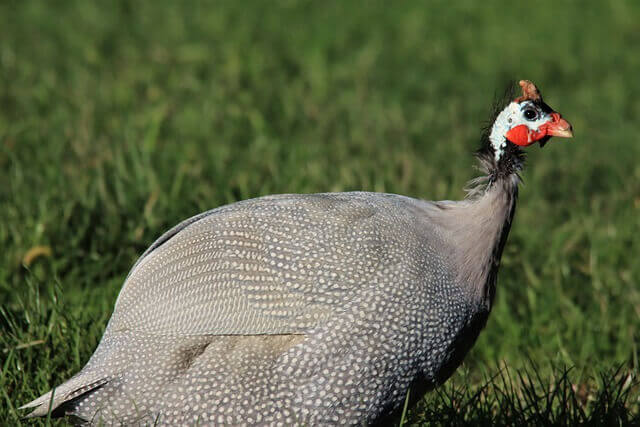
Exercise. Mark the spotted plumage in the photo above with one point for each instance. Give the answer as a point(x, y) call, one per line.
point(297, 309)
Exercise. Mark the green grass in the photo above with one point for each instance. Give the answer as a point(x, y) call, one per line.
point(119, 119)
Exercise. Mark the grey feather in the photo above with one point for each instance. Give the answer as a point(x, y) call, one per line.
point(274, 265)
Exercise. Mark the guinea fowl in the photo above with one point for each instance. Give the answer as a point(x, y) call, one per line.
point(308, 309)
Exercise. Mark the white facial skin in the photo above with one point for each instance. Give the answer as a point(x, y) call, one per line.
point(515, 114)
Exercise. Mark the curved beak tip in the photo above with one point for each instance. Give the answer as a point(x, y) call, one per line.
point(562, 133)
point(561, 128)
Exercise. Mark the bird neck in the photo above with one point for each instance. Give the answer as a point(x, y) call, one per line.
point(500, 158)
point(499, 205)
point(481, 224)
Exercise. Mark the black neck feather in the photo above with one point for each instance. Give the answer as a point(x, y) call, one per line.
point(511, 161)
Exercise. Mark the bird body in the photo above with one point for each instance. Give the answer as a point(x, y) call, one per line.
point(298, 309)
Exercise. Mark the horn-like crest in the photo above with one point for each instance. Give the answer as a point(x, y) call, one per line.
point(529, 92)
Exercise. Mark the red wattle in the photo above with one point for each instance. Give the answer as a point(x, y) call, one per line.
point(523, 136)
point(519, 135)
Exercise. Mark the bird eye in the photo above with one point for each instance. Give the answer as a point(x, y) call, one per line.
point(530, 114)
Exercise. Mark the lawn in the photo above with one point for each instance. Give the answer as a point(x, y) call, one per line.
point(119, 119)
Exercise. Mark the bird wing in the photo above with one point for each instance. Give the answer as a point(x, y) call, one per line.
point(272, 265)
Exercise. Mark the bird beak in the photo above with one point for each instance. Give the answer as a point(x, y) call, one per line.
point(559, 127)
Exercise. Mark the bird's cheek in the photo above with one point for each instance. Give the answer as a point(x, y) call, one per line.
point(523, 136)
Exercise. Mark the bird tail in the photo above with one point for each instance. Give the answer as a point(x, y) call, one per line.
point(118, 384)
point(75, 387)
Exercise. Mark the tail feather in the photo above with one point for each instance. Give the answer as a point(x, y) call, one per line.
point(65, 392)
point(123, 380)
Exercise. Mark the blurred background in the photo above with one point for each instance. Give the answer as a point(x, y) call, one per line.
point(119, 119)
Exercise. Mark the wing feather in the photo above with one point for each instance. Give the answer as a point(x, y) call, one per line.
point(273, 265)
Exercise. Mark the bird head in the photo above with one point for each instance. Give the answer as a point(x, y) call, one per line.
point(526, 120)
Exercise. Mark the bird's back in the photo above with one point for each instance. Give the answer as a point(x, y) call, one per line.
point(275, 265)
